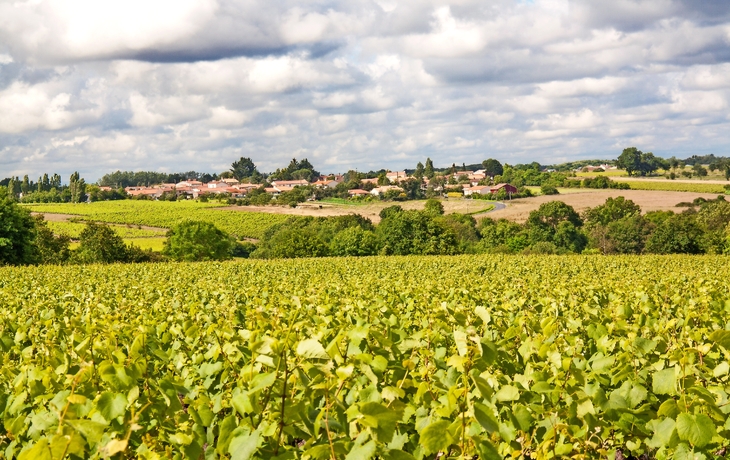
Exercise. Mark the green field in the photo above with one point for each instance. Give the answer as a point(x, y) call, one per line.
point(74, 229)
point(671, 186)
point(389, 358)
point(166, 214)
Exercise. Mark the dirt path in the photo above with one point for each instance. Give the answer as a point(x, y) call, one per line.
point(649, 200)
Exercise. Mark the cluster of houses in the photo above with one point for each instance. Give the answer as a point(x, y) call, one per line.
point(236, 189)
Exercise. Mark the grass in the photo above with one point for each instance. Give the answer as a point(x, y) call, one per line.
point(74, 229)
point(609, 173)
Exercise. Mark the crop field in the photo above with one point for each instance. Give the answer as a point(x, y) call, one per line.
point(673, 186)
point(389, 358)
point(74, 229)
point(166, 214)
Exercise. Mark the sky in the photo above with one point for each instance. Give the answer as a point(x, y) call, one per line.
point(176, 85)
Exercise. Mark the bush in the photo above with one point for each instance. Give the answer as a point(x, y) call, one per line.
point(548, 190)
point(100, 244)
point(196, 241)
point(354, 241)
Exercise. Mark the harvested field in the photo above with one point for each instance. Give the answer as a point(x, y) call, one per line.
point(518, 210)
point(370, 210)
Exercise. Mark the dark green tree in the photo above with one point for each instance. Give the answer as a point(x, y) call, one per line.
point(17, 233)
point(354, 241)
point(428, 169)
point(100, 244)
point(243, 168)
point(679, 234)
point(419, 172)
point(492, 167)
point(193, 240)
point(414, 232)
point(433, 207)
point(52, 249)
point(612, 210)
point(630, 160)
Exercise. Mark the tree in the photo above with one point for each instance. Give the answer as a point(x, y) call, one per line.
point(679, 234)
point(630, 160)
point(52, 249)
point(243, 168)
point(428, 170)
point(433, 207)
point(25, 185)
point(612, 210)
point(77, 187)
point(414, 232)
point(419, 172)
point(193, 240)
point(99, 243)
point(17, 233)
point(354, 241)
point(492, 167)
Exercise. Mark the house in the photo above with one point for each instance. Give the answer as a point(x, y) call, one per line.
point(358, 192)
point(373, 181)
point(152, 192)
point(509, 189)
point(326, 183)
point(288, 185)
point(384, 189)
point(230, 181)
point(217, 184)
point(396, 176)
point(188, 183)
point(479, 189)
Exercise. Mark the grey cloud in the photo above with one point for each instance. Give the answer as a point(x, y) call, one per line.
point(362, 84)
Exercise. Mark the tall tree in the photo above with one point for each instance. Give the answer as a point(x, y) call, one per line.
point(25, 186)
point(77, 187)
point(243, 168)
point(428, 170)
point(418, 173)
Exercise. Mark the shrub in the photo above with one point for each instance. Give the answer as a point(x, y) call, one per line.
point(193, 240)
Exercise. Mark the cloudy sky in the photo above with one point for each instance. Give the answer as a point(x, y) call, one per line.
point(172, 85)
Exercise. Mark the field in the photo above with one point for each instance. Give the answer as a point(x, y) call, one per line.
point(391, 358)
point(165, 214)
point(715, 187)
point(74, 229)
point(518, 210)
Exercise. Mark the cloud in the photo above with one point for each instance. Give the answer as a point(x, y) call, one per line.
point(162, 85)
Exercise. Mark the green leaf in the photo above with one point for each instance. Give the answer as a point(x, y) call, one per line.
point(381, 420)
point(397, 454)
point(484, 389)
point(435, 437)
point(111, 405)
point(462, 343)
point(664, 382)
point(668, 409)
point(91, 431)
point(508, 393)
point(663, 432)
point(363, 452)
point(697, 429)
point(487, 451)
point(484, 416)
point(39, 451)
point(244, 445)
point(721, 337)
point(311, 349)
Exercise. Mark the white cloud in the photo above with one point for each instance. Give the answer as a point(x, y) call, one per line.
point(164, 85)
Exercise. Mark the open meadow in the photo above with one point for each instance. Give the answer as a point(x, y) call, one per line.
point(394, 358)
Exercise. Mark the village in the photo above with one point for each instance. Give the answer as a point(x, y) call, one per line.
point(467, 183)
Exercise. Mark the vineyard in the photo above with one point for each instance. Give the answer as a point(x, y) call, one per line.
point(390, 358)
point(74, 229)
point(166, 214)
point(670, 186)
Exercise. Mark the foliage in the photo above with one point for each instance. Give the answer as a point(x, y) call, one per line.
point(395, 358)
point(547, 189)
point(679, 234)
point(613, 209)
point(493, 167)
point(415, 232)
point(100, 244)
point(17, 233)
point(433, 207)
point(243, 168)
point(636, 162)
point(192, 240)
point(354, 241)
point(53, 247)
